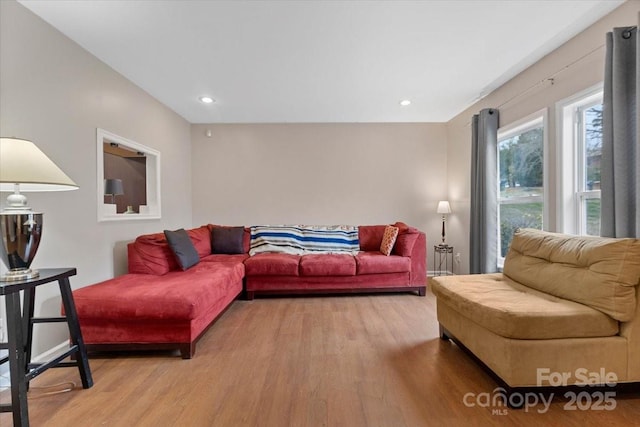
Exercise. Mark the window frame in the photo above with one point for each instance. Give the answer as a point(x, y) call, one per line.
point(152, 210)
point(531, 121)
point(570, 168)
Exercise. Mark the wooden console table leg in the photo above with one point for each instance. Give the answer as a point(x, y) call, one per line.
point(28, 306)
point(74, 331)
point(17, 361)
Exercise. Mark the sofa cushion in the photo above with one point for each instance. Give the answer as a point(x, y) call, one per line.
point(388, 239)
point(407, 238)
point(599, 272)
point(404, 244)
point(154, 256)
point(182, 248)
point(272, 264)
point(328, 265)
point(370, 237)
point(177, 295)
point(404, 228)
point(238, 258)
point(227, 240)
point(377, 263)
point(201, 238)
point(512, 310)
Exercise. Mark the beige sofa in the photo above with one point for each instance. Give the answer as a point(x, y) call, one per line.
point(564, 312)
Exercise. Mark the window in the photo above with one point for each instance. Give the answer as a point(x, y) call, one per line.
point(521, 172)
point(580, 153)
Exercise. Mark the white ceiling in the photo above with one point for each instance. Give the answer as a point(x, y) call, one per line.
point(320, 61)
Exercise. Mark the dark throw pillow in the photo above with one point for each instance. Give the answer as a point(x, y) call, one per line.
point(182, 248)
point(227, 240)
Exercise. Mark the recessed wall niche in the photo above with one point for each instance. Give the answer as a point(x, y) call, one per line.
point(128, 181)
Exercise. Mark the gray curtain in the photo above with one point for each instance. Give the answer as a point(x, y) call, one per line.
point(483, 238)
point(620, 169)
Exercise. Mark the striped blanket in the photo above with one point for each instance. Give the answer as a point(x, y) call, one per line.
point(305, 239)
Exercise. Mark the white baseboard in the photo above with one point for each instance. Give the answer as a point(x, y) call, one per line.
point(5, 377)
point(43, 357)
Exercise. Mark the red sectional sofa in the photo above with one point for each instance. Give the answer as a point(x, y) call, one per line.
point(158, 306)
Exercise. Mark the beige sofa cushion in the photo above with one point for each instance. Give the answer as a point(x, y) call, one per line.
point(514, 311)
point(599, 272)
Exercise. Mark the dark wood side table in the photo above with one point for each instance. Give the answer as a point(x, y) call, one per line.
point(20, 333)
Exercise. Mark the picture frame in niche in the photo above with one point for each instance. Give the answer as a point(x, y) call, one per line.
point(128, 179)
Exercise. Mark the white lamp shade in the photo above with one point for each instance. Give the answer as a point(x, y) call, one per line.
point(444, 207)
point(21, 162)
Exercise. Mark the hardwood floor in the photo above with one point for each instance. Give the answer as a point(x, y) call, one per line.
point(314, 361)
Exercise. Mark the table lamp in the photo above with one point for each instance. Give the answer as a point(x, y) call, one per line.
point(113, 188)
point(443, 208)
point(24, 168)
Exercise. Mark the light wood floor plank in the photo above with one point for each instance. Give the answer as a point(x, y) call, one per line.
point(314, 361)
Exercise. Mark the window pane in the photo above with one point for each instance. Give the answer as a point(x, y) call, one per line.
point(593, 146)
point(592, 214)
point(520, 163)
point(517, 215)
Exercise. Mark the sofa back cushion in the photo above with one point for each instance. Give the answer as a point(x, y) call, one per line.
point(201, 238)
point(599, 272)
point(407, 237)
point(151, 254)
point(370, 237)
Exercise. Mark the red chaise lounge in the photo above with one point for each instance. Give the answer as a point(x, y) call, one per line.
point(157, 306)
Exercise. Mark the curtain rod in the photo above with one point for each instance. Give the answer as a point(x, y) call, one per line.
point(551, 78)
point(546, 79)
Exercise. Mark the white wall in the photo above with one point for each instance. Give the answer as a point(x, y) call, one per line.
point(56, 94)
point(577, 65)
point(320, 174)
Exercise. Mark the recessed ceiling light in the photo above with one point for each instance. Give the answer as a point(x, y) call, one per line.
point(206, 99)
point(405, 102)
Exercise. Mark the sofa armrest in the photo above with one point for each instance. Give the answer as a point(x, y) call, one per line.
point(135, 263)
point(419, 261)
point(631, 331)
point(150, 259)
